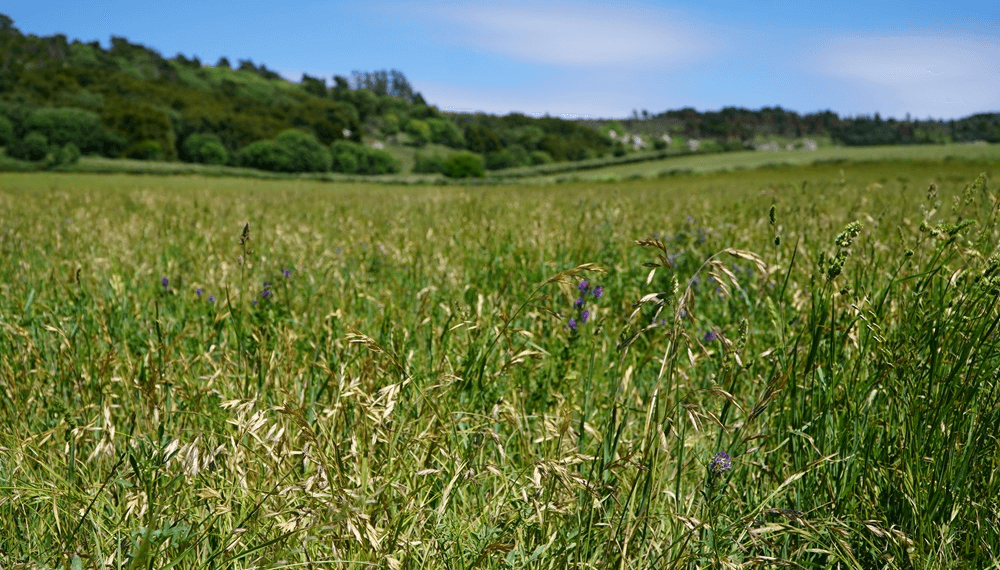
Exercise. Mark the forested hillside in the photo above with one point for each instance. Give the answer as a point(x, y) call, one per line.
point(61, 98)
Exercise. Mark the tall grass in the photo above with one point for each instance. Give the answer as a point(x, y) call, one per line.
point(791, 367)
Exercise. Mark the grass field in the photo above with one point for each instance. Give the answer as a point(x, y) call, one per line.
point(782, 367)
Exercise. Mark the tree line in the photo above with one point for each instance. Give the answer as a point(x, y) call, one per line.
point(62, 98)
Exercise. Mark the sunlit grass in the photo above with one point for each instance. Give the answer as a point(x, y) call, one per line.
point(386, 375)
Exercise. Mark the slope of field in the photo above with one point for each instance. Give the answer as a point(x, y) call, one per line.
point(789, 366)
point(637, 166)
point(752, 159)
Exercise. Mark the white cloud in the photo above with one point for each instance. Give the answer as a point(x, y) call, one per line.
point(577, 34)
point(924, 75)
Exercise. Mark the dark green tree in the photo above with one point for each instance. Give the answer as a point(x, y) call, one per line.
point(33, 147)
point(205, 148)
point(464, 165)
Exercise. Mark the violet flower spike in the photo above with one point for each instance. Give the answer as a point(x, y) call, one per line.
point(720, 463)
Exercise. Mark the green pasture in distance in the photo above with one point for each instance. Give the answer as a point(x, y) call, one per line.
point(795, 366)
point(584, 170)
point(757, 159)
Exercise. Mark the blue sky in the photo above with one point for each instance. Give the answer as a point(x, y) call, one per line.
point(596, 59)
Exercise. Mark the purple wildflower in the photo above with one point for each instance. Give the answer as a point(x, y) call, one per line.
point(578, 303)
point(584, 316)
point(198, 292)
point(572, 324)
point(287, 273)
point(164, 282)
point(598, 291)
point(584, 287)
point(709, 336)
point(211, 299)
point(720, 463)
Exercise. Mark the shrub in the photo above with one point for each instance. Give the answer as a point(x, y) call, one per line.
point(539, 157)
point(390, 124)
point(140, 122)
point(481, 139)
point(205, 148)
point(291, 151)
point(6, 131)
point(512, 156)
point(69, 125)
point(350, 158)
point(419, 131)
point(464, 165)
point(346, 162)
point(264, 155)
point(375, 161)
point(68, 154)
point(145, 150)
point(306, 153)
point(428, 164)
point(33, 147)
point(446, 132)
point(659, 144)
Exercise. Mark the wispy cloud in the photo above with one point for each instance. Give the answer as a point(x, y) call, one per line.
point(951, 75)
point(577, 34)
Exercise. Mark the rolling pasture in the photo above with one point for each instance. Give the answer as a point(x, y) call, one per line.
point(772, 367)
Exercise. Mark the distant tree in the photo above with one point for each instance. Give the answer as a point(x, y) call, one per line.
point(63, 125)
point(68, 154)
point(351, 158)
point(428, 163)
point(375, 161)
point(6, 24)
point(291, 151)
point(481, 139)
point(205, 148)
point(419, 131)
point(6, 131)
point(345, 162)
point(464, 165)
point(224, 62)
point(510, 157)
point(314, 85)
point(399, 86)
point(308, 154)
point(539, 157)
point(340, 86)
point(446, 132)
point(33, 147)
point(145, 150)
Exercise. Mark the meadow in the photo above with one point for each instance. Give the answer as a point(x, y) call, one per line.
point(773, 367)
